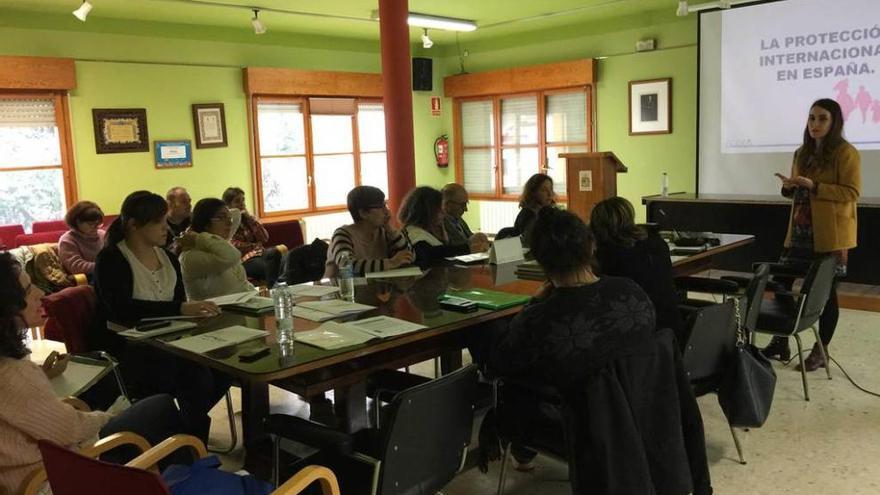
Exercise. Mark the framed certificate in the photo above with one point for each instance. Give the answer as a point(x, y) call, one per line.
point(650, 107)
point(120, 130)
point(209, 121)
point(173, 154)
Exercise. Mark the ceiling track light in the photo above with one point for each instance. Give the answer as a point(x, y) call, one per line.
point(259, 27)
point(426, 40)
point(684, 9)
point(83, 11)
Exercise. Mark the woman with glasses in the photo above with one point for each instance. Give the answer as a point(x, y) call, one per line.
point(210, 264)
point(370, 243)
point(80, 245)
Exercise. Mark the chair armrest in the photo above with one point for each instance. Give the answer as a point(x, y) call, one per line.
point(313, 434)
point(305, 477)
point(35, 481)
point(77, 404)
point(149, 459)
point(79, 279)
point(281, 249)
point(704, 284)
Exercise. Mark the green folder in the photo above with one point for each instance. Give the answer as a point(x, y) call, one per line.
point(490, 299)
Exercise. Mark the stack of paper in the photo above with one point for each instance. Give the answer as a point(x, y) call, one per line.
point(210, 341)
point(333, 335)
point(313, 290)
point(132, 333)
point(530, 270)
point(470, 258)
point(258, 304)
point(237, 298)
point(327, 310)
point(411, 271)
point(490, 299)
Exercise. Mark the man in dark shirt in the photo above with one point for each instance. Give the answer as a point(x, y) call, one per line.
point(455, 203)
point(179, 213)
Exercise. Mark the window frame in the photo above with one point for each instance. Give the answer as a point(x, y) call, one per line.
point(497, 147)
point(65, 142)
point(303, 101)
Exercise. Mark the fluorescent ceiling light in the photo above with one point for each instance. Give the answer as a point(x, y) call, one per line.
point(426, 41)
point(682, 10)
point(436, 22)
point(719, 4)
point(259, 27)
point(83, 11)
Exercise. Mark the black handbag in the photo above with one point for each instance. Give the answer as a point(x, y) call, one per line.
point(747, 387)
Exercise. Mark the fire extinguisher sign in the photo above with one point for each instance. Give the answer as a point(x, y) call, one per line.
point(435, 106)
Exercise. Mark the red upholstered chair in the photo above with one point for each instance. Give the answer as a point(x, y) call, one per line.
point(50, 226)
point(108, 219)
point(288, 233)
point(69, 315)
point(8, 233)
point(39, 238)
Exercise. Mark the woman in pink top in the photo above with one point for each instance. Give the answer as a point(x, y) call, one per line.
point(32, 412)
point(79, 247)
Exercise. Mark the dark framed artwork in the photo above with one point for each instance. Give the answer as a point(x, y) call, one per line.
point(650, 106)
point(120, 130)
point(209, 121)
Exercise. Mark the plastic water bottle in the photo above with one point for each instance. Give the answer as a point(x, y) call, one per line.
point(284, 301)
point(664, 184)
point(346, 278)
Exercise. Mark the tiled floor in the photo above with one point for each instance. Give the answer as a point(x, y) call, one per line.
point(830, 445)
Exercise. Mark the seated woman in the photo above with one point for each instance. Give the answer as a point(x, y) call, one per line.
point(422, 216)
point(32, 412)
point(537, 193)
point(250, 239)
point(210, 264)
point(80, 245)
point(624, 249)
point(137, 278)
point(370, 244)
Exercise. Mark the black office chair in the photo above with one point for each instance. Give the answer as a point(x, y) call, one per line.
point(712, 341)
point(420, 445)
point(791, 313)
point(507, 232)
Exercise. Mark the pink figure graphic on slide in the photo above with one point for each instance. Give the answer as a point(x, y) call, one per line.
point(863, 102)
point(875, 109)
point(847, 104)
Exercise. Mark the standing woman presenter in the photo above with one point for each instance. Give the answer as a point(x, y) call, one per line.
point(824, 187)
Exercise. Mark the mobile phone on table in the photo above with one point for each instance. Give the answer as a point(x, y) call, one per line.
point(253, 354)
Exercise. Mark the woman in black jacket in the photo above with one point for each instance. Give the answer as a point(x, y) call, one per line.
point(624, 249)
point(537, 193)
point(137, 278)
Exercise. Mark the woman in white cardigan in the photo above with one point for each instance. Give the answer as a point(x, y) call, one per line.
point(211, 265)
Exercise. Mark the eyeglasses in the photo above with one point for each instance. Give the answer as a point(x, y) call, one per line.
point(224, 219)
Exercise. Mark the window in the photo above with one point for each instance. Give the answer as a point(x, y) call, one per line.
point(532, 130)
point(36, 179)
point(312, 151)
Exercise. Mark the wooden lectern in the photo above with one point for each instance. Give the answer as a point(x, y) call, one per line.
point(590, 178)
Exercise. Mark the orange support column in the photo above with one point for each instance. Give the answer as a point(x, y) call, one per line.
point(397, 99)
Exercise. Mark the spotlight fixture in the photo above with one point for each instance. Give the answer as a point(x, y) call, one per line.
point(259, 27)
point(83, 11)
point(682, 8)
point(426, 41)
point(435, 22)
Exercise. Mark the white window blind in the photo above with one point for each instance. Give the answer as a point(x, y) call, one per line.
point(519, 120)
point(281, 127)
point(476, 123)
point(478, 130)
point(566, 118)
point(30, 113)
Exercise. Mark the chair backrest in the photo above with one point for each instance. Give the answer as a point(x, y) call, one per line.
point(816, 290)
point(306, 263)
point(755, 296)
point(69, 316)
point(712, 339)
point(289, 233)
point(427, 430)
point(38, 238)
point(8, 233)
point(108, 219)
point(507, 232)
point(49, 226)
point(73, 474)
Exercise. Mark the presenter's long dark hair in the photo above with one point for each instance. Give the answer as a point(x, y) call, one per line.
point(138, 209)
point(809, 155)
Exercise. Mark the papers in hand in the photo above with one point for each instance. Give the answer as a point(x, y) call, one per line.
point(333, 335)
point(134, 334)
point(410, 271)
point(210, 341)
point(77, 378)
point(313, 290)
point(237, 298)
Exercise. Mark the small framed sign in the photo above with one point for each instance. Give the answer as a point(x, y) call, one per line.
point(173, 154)
point(209, 121)
point(650, 106)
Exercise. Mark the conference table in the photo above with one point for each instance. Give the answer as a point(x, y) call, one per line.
point(309, 371)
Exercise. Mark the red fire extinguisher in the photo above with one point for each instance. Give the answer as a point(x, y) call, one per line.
point(441, 151)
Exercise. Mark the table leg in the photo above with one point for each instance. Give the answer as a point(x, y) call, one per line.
point(450, 361)
point(351, 407)
point(254, 410)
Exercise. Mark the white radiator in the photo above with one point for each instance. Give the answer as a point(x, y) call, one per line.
point(322, 226)
point(495, 215)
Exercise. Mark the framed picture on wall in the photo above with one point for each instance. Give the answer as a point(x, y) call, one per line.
point(173, 154)
point(209, 121)
point(120, 130)
point(650, 106)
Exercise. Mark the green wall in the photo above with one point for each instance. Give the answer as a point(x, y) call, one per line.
point(167, 68)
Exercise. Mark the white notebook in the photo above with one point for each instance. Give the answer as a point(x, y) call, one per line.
point(134, 334)
point(336, 307)
point(313, 290)
point(333, 335)
point(411, 271)
point(210, 341)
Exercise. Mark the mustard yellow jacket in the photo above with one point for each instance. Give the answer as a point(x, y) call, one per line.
point(833, 204)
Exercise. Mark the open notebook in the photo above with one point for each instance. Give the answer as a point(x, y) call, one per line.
point(211, 341)
point(333, 335)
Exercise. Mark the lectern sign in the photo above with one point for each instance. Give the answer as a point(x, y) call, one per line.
point(585, 180)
